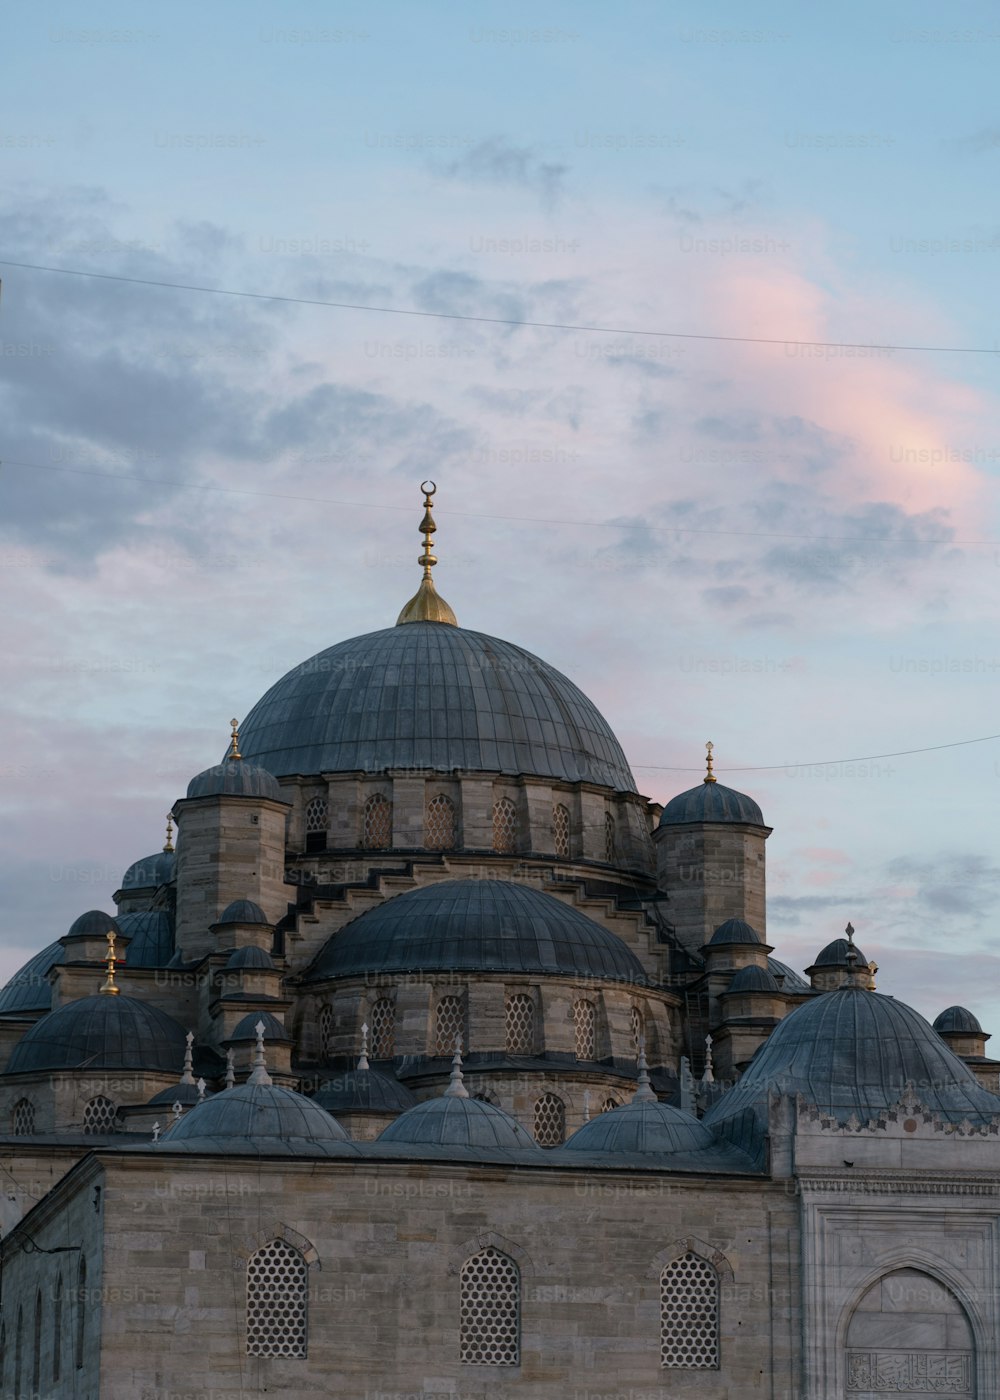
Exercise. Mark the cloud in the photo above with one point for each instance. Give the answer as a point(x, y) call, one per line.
point(978, 142)
point(496, 161)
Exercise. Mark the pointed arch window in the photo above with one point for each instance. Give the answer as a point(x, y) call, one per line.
point(277, 1301)
point(608, 1105)
point(23, 1118)
point(550, 1121)
point(383, 1029)
point(610, 846)
point(439, 834)
point(490, 1310)
point(100, 1115)
point(560, 830)
point(638, 1024)
point(377, 832)
point(325, 1030)
point(689, 1314)
point(504, 827)
point(584, 1029)
point(317, 823)
point(449, 1025)
point(520, 1018)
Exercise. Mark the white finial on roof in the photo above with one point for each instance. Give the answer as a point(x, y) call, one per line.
point(178, 1109)
point(586, 1105)
point(156, 1132)
point(188, 1076)
point(259, 1074)
point(363, 1057)
point(709, 1076)
point(644, 1090)
point(201, 1089)
point(230, 1068)
point(456, 1088)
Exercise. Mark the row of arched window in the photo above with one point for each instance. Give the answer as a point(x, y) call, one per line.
point(441, 826)
point(100, 1115)
point(35, 1353)
point(521, 1024)
point(490, 1300)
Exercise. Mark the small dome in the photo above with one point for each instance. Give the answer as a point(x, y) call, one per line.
point(94, 924)
point(734, 931)
point(157, 869)
point(101, 1032)
point(247, 1028)
point(711, 802)
point(478, 926)
point(453, 1122)
point(29, 989)
point(364, 1090)
point(258, 1118)
point(186, 1094)
point(151, 935)
point(235, 777)
point(649, 1128)
point(956, 1019)
point(792, 980)
point(752, 979)
point(835, 954)
point(250, 956)
point(243, 911)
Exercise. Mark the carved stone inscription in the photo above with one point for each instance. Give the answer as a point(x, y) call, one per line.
point(909, 1372)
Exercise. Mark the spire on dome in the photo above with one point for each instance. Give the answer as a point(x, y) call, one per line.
point(426, 605)
point(188, 1076)
point(169, 843)
point(260, 1074)
point(363, 1057)
point(234, 751)
point(709, 775)
point(644, 1090)
point(456, 1088)
point(109, 988)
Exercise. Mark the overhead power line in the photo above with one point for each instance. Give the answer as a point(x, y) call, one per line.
point(825, 763)
point(500, 320)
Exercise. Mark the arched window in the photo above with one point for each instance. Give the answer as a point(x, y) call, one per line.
point(383, 1029)
point(638, 1024)
point(608, 1105)
point(520, 1011)
point(440, 824)
point(550, 1121)
point(689, 1314)
point(18, 1353)
point(36, 1349)
point(449, 1025)
point(377, 833)
point(23, 1118)
point(325, 1030)
point(609, 838)
point(57, 1311)
point(504, 827)
point(81, 1313)
point(560, 830)
point(584, 1021)
point(317, 823)
point(486, 1097)
point(99, 1115)
point(490, 1310)
point(277, 1300)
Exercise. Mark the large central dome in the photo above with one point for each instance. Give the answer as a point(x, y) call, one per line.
point(430, 695)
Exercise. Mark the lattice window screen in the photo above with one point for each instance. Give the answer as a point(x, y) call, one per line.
point(689, 1314)
point(608, 1105)
point(383, 1029)
point(440, 824)
point(450, 1023)
point(550, 1121)
point(325, 1030)
point(23, 1118)
point(317, 814)
point(99, 1115)
point(520, 1025)
point(638, 1028)
point(377, 834)
point(609, 838)
point(560, 830)
point(490, 1310)
point(277, 1298)
point(584, 1019)
point(504, 826)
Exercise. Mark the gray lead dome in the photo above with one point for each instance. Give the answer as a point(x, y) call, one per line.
point(429, 695)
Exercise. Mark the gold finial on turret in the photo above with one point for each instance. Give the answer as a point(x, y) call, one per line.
point(426, 605)
point(169, 846)
point(234, 751)
point(108, 988)
point(709, 776)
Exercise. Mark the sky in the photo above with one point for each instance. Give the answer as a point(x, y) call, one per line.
point(789, 548)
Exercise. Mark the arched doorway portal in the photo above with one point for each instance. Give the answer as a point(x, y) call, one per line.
point(909, 1337)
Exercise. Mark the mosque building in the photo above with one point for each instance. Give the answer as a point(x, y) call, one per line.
point(432, 1059)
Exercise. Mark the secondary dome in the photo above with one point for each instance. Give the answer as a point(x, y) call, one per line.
point(734, 931)
point(234, 777)
point(835, 954)
point(711, 802)
point(157, 869)
point(363, 1090)
point(957, 1020)
point(101, 1032)
point(853, 1052)
point(256, 1118)
point(430, 695)
point(151, 935)
point(477, 926)
point(460, 1123)
point(644, 1127)
point(242, 911)
point(29, 990)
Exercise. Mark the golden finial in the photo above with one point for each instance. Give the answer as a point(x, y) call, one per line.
point(426, 605)
point(709, 776)
point(170, 833)
point(234, 751)
point(109, 989)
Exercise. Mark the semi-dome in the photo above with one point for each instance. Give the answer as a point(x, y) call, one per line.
point(711, 802)
point(29, 990)
point(258, 1118)
point(235, 777)
point(157, 869)
point(249, 957)
point(458, 1123)
point(734, 931)
point(243, 911)
point(644, 1127)
point(477, 926)
point(246, 1029)
point(957, 1020)
point(93, 924)
point(848, 1052)
point(791, 981)
point(151, 938)
point(753, 979)
point(101, 1032)
point(363, 1091)
point(835, 954)
point(430, 695)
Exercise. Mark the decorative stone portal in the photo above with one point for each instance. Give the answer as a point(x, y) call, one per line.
point(909, 1337)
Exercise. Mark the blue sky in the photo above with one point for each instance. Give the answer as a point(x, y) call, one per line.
point(793, 554)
